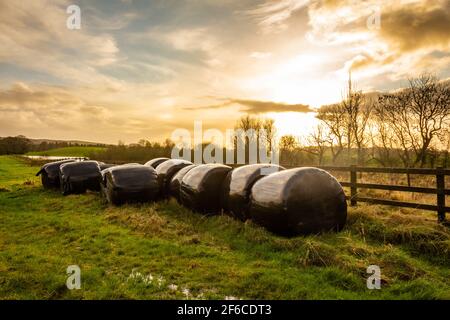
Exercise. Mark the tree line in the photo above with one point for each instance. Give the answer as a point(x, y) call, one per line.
point(21, 145)
point(409, 128)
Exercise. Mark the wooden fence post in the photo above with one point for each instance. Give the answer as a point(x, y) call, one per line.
point(353, 188)
point(440, 182)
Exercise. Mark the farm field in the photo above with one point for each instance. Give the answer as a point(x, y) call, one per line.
point(164, 251)
point(68, 152)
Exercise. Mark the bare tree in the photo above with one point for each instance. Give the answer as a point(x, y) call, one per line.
point(348, 123)
point(248, 129)
point(269, 133)
point(357, 108)
point(288, 145)
point(417, 115)
point(334, 118)
point(444, 139)
point(382, 137)
point(430, 101)
point(318, 142)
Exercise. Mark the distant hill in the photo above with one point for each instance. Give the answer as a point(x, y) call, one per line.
point(53, 141)
point(79, 142)
point(23, 145)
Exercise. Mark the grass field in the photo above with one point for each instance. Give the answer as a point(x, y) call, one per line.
point(68, 152)
point(164, 251)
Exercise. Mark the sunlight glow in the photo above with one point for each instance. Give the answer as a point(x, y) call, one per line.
point(294, 123)
point(297, 81)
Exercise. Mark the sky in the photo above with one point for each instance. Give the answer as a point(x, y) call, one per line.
point(141, 69)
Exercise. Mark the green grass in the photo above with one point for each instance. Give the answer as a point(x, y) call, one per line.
point(139, 251)
point(68, 152)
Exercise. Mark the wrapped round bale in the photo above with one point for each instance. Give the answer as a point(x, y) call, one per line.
point(201, 188)
point(77, 177)
point(154, 163)
point(50, 173)
point(238, 185)
point(299, 201)
point(103, 173)
point(130, 183)
point(175, 183)
point(166, 171)
point(103, 179)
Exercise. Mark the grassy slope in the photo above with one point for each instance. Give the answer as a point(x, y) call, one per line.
point(41, 233)
point(68, 152)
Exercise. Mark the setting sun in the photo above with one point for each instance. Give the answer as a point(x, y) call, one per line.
point(292, 123)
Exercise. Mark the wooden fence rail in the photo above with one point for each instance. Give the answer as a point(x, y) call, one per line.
point(440, 191)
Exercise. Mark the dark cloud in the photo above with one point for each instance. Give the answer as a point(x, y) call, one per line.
point(366, 60)
point(415, 29)
point(416, 26)
point(256, 106)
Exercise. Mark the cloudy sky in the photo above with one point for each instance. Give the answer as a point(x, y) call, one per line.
point(141, 69)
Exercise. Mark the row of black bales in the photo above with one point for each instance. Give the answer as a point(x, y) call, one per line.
point(286, 202)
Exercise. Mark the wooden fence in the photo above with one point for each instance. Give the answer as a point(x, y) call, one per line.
point(440, 191)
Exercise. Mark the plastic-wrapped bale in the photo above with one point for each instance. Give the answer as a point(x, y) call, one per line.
point(103, 168)
point(131, 183)
point(77, 177)
point(104, 171)
point(166, 171)
point(175, 183)
point(202, 186)
point(154, 163)
point(103, 179)
point(299, 201)
point(238, 185)
point(50, 173)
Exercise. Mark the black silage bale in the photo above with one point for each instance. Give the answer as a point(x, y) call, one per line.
point(78, 177)
point(175, 183)
point(166, 171)
point(50, 173)
point(130, 183)
point(298, 202)
point(237, 187)
point(103, 180)
point(201, 188)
